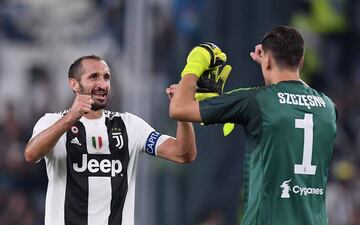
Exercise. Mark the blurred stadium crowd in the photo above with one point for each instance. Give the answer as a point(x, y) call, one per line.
point(40, 38)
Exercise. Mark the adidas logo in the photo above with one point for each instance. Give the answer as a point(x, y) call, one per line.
point(75, 141)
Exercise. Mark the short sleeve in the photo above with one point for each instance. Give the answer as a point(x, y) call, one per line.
point(237, 106)
point(45, 122)
point(142, 136)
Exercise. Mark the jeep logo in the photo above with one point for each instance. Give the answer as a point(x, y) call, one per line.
point(94, 166)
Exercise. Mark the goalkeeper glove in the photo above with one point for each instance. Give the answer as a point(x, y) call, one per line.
point(203, 57)
point(212, 82)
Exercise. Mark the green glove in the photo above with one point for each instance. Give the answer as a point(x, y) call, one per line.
point(212, 82)
point(203, 57)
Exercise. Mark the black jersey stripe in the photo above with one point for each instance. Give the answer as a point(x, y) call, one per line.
point(118, 145)
point(76, 195)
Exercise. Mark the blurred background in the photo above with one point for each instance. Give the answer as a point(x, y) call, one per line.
point(145, 43)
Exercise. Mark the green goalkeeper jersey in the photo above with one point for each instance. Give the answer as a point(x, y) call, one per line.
point(290, 131)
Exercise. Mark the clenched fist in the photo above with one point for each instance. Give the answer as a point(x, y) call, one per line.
point(81, 105)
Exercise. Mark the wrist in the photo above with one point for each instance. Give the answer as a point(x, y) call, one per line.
point(71, 117)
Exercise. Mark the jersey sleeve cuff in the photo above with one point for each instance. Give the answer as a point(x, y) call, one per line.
point(153, 141)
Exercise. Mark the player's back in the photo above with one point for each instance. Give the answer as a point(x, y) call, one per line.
point(287, 165)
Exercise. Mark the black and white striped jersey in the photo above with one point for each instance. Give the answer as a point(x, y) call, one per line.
point(92, 168)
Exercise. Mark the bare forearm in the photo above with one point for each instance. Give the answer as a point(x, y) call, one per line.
point(43, 143)
point(183, 148)
point(183, 106)
point(185, 138)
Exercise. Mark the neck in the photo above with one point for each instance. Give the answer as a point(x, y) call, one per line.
point(277, 75)
point(94, 114)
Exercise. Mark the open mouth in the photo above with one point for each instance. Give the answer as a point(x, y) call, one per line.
point(99, 95)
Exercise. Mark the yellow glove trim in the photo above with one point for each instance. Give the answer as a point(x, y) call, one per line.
point(203, 96)
point(224, 75)
point(228, 128)
point(197, 62)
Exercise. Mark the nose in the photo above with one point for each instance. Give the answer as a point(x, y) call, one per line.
point(102, 82)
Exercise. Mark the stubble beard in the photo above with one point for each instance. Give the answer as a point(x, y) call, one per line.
point(96, 105)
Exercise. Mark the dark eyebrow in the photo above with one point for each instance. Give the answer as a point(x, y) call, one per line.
point(92, 74)
point(98, 74)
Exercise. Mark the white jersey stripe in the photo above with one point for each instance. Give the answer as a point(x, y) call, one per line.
point(100, 194)
point(99, 200)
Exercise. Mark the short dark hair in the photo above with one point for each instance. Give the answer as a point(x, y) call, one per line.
point(286, 45)
point(76, 68)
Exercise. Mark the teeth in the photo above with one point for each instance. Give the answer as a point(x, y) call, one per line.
point(100, 95)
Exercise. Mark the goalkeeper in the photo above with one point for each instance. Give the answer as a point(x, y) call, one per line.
point(290, 127)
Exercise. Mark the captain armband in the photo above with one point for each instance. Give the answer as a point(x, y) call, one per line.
point(153, 141)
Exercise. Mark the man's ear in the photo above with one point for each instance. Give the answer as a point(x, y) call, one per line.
point(268, 61)
point(74, 84)
point(301, 63)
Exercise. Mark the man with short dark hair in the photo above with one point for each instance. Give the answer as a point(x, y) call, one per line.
point(290, 129)
point(91, 153)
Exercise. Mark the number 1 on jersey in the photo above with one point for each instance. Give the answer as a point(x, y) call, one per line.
point(305, 167)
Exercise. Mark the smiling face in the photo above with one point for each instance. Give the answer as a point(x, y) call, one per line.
point(95, 81)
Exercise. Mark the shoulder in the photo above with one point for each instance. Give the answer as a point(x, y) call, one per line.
point(245, 95)
point(236, 96)
point(47, 120)
point(250, 91)
point(330, 104)
point(127, 117)
point(52, 117)
point(111, 115)
point(326, 99)
point(123, 115)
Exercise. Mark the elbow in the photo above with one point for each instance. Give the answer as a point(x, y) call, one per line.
point(188, 157)
point(176, 113)
point(29, 156)
point(191, 158)
point(173, 113)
